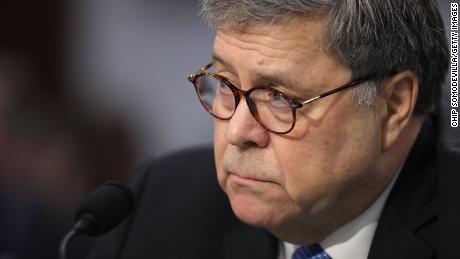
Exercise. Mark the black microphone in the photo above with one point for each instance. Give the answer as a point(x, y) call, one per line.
point(104, 209)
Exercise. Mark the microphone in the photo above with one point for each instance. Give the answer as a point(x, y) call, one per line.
point(104, 209)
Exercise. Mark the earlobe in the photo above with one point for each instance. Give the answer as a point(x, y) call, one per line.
point(400, 95)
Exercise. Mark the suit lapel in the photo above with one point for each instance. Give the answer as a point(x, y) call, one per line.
point(395, 239)
point(408, 223)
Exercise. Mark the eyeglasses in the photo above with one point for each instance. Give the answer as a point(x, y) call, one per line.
point(272, 109)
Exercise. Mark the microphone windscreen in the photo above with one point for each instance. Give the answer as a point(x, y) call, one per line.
point(106, 207)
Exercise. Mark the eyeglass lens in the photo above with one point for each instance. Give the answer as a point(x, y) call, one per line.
point(269, 107)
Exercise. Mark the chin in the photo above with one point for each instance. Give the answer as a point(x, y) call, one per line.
point(254, 212)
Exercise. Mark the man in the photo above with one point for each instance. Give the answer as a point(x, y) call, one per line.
point(327, 135)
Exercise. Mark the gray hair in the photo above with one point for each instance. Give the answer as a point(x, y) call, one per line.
point(371, 37)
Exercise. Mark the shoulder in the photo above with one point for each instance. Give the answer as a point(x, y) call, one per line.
point(422, 208)
point(181, 183)
point(448, 168)
point(180, 210)
point(181, 169)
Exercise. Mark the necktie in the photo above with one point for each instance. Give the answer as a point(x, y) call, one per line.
point(310, 252)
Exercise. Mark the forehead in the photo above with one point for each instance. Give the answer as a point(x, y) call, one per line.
point(294, 39)
point(294, 48)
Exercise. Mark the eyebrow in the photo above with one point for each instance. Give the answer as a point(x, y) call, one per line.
point(217, 58)
point(272, 79)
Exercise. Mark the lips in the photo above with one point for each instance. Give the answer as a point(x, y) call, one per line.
point(245, 177)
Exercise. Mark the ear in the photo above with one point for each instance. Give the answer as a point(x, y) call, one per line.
point(399, 95)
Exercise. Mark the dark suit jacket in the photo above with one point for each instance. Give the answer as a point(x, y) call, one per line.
point(182, 213)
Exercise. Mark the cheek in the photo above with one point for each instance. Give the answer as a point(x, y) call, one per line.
point(220, 144)
point(318, 168)
point(302, 157)
point(304, 174)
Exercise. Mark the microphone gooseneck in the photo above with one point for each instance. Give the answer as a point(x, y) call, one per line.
point(76, 230)
point(104, 209)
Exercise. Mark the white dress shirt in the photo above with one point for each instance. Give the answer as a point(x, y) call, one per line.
point(352, 240)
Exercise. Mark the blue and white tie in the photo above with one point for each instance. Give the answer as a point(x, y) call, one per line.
point(310, 252)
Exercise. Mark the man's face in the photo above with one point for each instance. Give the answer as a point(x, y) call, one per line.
point(325, 168)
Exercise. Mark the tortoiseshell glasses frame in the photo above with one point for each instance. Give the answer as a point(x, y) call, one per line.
point(273, 94)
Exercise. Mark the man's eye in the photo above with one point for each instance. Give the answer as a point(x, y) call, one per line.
point(223, 87)
point(278, 100)
point(276, 96)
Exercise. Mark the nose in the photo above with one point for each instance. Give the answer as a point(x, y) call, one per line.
point(243, 129)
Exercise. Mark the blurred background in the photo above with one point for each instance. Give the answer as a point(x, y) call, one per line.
point(88, 90)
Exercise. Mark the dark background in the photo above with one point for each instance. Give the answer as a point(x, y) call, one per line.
point(88, 90)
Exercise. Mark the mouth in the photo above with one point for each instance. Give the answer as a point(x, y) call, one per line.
point(244, 179)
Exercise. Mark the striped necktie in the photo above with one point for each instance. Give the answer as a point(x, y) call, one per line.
point(310, 252)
